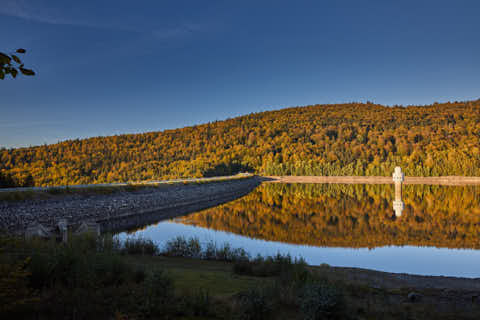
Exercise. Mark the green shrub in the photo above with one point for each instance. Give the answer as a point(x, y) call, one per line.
point(15, 294)
point(288, 269)
point(227, 253)
point(176, 247)
point(243, 267)
point(239, 254)
point(254, 304)
point(210, 252)
point(71, 267)
point(198, 303)
point(295, 273)
point(140, 246)
point(158, 293)
point(41, 269)
point(224, 253)
point(84, 278)
point(140, 274)
point(86, 242)
point(320, 301)
point(109, 243)
point(111, 270)
point(194, 248)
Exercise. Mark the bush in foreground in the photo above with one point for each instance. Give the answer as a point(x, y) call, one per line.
point(254, 304)
point(158, 293)
point(192, 248)
point(320, 300)
point(140, 246)
point(90, 278)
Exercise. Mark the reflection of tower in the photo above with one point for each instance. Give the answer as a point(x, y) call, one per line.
point(398, 204)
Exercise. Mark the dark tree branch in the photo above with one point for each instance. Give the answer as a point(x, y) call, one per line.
point(11, 64)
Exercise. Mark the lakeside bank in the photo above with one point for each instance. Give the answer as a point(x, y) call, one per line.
point(443, 180)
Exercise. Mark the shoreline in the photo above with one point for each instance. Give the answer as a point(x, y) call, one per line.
point(443, 180)
point(392, 280)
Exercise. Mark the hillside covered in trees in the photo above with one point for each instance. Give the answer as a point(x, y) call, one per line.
point(344, 139)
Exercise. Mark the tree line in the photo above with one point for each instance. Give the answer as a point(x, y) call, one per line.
point(340, 139)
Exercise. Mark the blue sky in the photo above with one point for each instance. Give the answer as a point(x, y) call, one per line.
point(110, 67)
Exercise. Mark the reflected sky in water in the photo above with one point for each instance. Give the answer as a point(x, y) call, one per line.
point(437, 234)
point(406, 259)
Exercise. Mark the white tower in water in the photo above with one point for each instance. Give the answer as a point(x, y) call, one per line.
point(398, 178)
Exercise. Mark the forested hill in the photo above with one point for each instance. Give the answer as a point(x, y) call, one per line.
point(344, 139)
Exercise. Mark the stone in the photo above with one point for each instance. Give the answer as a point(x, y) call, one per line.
point(414, 297)
point(37, 230)
point(88, 227)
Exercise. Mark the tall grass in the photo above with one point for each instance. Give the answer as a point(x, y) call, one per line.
point(140, 246)
point(192, 248)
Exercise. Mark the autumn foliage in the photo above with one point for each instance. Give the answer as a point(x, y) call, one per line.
point(341, 215)
point(346, 139)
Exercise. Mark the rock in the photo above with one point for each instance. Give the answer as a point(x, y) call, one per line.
point(37, 230)
point(414, 297)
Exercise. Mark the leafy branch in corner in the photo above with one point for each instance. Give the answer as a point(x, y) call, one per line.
point(11, 64)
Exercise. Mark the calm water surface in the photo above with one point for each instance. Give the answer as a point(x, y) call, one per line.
point(435, 230)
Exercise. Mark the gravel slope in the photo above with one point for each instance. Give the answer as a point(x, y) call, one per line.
point(16, 216)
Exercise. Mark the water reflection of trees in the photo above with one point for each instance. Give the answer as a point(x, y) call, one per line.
point(351, 215)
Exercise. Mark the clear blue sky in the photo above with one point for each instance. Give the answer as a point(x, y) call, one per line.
point(109, 67)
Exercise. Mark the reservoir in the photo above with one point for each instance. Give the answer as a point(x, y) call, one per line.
point(421, 229)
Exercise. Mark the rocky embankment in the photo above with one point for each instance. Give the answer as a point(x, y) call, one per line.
point(157, 202)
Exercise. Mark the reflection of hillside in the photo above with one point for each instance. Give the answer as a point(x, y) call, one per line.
point(351, 215)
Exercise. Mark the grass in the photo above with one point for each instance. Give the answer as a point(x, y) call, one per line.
point(215, 276)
